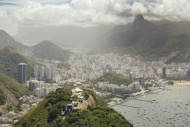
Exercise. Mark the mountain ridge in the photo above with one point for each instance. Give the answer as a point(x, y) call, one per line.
point(7, 40)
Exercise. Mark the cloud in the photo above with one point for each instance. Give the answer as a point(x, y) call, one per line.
point(90, 12)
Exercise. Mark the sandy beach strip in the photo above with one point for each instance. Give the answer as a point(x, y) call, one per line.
point(182, 82)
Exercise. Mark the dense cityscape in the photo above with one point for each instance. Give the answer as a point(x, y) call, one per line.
point(94, 63)
point(83, 69)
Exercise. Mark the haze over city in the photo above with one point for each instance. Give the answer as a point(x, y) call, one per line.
point(97, 63)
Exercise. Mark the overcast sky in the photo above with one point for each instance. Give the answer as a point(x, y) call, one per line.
point(38, 13)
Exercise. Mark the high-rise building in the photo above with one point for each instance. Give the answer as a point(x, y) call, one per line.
point(188, 74)
point(53, 69)
point(104, 71)
point(110, 70)
point(48, 72)
point(22, 73)
point(163, 72)
point(33, 84)
point(36, 71)
point(42, 72)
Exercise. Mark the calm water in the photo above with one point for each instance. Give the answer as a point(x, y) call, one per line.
point(171, 108)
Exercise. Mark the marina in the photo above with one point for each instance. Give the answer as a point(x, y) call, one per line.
point(167, 108)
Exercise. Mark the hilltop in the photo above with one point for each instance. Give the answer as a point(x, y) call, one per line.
point(7, 40)
point(10, 58)
point(10, 91)
point(49, 50)
point(47, 113)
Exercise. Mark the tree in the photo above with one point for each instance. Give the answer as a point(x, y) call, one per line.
point(54, 112)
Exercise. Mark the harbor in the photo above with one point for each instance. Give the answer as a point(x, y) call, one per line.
point(167, 108)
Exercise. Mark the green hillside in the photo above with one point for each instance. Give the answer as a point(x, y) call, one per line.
point(47, 114)
point(49, 50)
point(96, 116)
point(10, 85)
point(47, 111)
point(10, 58)
point(114, 78)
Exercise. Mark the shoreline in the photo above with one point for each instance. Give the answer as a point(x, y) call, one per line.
point(182, 83)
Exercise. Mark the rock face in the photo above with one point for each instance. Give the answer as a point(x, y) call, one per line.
point(140, 25)
point(138, 22)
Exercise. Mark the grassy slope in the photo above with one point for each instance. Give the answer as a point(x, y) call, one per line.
point(7, 83)
point(17, 89)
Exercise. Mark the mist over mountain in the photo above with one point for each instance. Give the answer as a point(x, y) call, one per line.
point(68, 36)
point(7, 40)
point(147, 38)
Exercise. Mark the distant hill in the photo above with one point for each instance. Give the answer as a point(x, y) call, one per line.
point(10, 58)
point(47, 113)
point(49, 50)
point(7, 40)
point(10, 91)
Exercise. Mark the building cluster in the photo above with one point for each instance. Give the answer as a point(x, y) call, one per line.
point(90, 67)
point(116, 89)
point(85, 67)
point(41, 88)
point(48, 71)
point(10, 117)
point(176, 71)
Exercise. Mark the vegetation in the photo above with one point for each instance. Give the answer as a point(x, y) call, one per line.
point(7, 83)
point(96, 116)
point(9, 60)
point(49, 50)
point(113, 78)
point(2, 97)
point(48, 113)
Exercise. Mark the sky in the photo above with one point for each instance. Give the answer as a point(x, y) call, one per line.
point(15, 14)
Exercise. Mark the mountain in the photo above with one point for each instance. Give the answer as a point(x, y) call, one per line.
point(10, 91)
point(154, 41)
point(47, 113)
point(49, 50)
point(148, 39)
point(7, 40)
point(10, 58)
